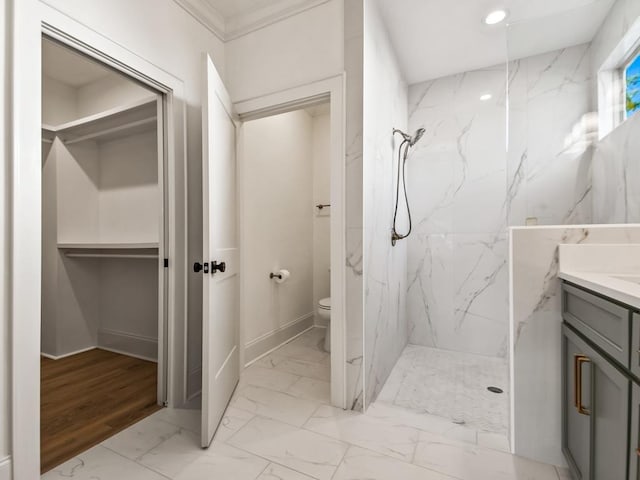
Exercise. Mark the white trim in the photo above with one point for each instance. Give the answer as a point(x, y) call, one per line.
point(334, 87)
point(65, 355)
point(241, 25)
point(265, 354)
point(138, 346)
point(284, 327)
point(611, 89)
point(230, 28)
point(272, 340)
point(206, 15)
point(25, 180)
point(5, 468)
point(127, 354)
point(25, 229)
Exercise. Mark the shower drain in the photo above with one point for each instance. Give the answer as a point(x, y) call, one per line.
point(495, 390)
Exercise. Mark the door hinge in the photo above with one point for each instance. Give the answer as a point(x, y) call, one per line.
point(166, 263)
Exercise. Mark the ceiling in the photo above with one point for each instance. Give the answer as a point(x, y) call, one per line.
point(70, 68)
point(435, 38)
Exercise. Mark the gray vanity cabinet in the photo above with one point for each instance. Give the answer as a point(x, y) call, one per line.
point(595, 412)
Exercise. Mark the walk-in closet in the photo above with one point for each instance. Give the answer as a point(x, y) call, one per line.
point(103, 262)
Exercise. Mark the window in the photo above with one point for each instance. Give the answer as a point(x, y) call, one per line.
point(632, 86)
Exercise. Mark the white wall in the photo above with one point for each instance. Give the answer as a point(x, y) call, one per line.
point(277, 215)
point(172, 40)
point(385, 267)
point(63, 103)
point(107, 93)
point(59, 102)
point(297, 50)
point(320, 153)
point(5, 350)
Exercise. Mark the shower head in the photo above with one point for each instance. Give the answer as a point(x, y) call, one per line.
point(411, 140)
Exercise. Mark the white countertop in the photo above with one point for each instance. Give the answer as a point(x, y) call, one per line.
point(610, 270)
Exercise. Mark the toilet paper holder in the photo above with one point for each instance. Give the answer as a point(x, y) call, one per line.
point(275, 275)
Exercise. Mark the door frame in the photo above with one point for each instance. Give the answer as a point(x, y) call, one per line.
point(30, 20)
point(333, 90)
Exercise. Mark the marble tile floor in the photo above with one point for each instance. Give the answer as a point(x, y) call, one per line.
point(280, 426)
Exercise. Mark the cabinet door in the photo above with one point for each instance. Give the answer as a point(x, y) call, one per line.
point(576, 399)
point(634, 444)
point(635, 345)
point(610, 417)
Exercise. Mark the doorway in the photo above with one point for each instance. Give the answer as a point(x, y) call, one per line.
point(320, 103)
point(104, 233)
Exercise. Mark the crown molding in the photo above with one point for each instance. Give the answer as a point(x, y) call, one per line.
point(233, 27)
point(243, 24)
point(205, 14)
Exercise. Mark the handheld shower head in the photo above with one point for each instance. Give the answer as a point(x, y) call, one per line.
point(411, 140)
point(417, 136)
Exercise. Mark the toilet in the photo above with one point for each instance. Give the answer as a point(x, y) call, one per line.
point(324, 312)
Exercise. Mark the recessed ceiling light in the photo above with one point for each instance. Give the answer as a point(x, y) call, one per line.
point(485, 97)
point(495, 17)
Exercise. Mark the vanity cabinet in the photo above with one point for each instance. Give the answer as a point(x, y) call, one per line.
point(600, 396)
point(595, 412)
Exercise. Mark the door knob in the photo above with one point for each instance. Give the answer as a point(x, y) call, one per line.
point(199, 267)
point(218, 267)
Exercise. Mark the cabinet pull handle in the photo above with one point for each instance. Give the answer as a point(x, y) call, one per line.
point(578, 360)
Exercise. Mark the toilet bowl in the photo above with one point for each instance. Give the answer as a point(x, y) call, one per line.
point(324, 312)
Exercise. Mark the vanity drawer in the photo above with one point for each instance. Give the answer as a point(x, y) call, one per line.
point(604, 323)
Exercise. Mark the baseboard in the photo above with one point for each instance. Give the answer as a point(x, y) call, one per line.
point(5, 469)
point(59, 357)
point(145, 348)
point(270, 341)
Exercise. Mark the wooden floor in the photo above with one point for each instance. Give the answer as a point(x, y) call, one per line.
point(89, 397)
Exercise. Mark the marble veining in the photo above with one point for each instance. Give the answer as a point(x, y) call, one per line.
point(468, 183)
point(385, 108)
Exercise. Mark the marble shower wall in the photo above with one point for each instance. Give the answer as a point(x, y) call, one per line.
point(457, 278)
point(466, 188)
point(353, 60)
point(616, 169)
point(385, 267)
point(536, 333)
point(616, 175)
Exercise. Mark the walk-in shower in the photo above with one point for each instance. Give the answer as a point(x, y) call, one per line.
point(407, 142)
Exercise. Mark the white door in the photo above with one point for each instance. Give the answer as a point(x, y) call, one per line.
point(220, 312)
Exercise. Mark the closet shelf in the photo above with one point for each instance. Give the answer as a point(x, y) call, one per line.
point(137, 117)
point(110, 250)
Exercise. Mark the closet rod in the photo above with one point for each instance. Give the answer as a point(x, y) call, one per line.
point(108, 255)
point(108, 131)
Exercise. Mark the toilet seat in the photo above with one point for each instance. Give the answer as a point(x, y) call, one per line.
point(325, 303)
